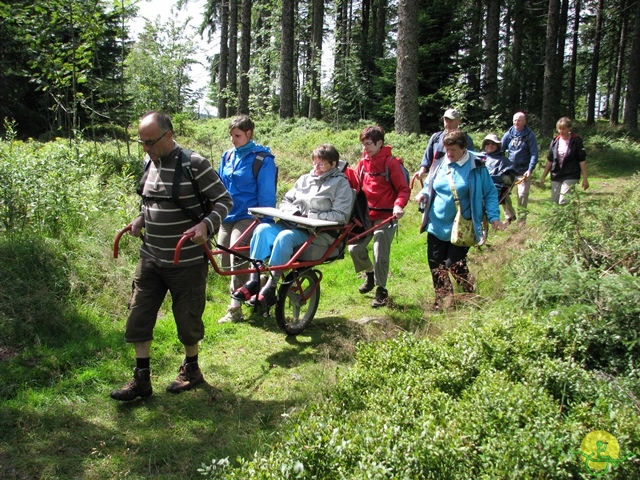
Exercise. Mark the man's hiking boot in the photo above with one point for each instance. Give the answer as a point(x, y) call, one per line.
point(368, 284)
point(140, 386)
point(382, 298)
point(234, 314)
point(188, 377)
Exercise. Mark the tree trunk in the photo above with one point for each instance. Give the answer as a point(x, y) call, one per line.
point(515, 81)
point(407, 119)
point(559, 67)
point(224, 60)
point(245, 58)
point(264, 67)
point(315, 88)
point(286, 60)
point(617, 84)
point(380, 33)
point(633, 86)
point(491, 54)
point(365, 42)
point(473, 61)
point(548, 99)
point(574, 60)
point(592, 89)
point(232, 79)
point(341, 40)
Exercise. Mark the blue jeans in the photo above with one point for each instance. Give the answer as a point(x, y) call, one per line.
point(276, 241)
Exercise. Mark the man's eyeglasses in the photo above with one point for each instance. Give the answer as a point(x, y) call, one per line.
point(367, 144)
point(320, 164)
point(151, 143)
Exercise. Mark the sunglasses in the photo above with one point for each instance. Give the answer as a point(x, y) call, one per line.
point(150, 143)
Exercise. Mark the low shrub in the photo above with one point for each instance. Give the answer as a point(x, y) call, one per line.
point(454, 409)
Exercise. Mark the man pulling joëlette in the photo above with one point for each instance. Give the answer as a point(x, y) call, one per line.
point(165, 220)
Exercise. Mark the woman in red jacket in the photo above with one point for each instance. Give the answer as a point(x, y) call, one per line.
point(387, 190)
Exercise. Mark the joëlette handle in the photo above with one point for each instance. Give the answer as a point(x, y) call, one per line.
point(183, 240)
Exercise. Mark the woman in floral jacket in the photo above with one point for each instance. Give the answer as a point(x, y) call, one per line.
point(566, 161)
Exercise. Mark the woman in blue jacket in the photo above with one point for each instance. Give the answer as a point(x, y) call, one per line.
point(476, 194)
point(249, 172)
point(566, 160)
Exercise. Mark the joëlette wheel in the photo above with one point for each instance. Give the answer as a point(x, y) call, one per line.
point(298, 299)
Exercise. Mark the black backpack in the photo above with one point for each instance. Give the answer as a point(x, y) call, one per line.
point(360, 212)
point(183, 167)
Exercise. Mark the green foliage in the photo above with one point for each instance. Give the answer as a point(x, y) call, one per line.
point(61, 65)
point(52, 188)
point(586, 268)
point(157, 69)
point(551, 355)
point(491, 401)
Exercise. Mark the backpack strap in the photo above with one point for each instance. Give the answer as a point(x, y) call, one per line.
point(257, 164)
point(184, 167)
point(143, 179)
point(257, 161)
point(384, 174)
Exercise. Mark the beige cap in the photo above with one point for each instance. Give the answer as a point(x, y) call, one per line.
point(452, 114)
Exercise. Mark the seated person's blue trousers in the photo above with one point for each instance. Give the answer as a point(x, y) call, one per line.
point(276, 241)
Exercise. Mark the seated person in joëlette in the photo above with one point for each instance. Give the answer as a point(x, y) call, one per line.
point(325, 194)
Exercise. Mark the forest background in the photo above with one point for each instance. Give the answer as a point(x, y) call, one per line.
point(73, 66)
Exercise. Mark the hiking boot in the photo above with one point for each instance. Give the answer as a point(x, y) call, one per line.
point(382, 298)
point(140, 386)
point(468, 284)
point(443, 303)
point(368, 284)
point(234, 314)
point(188, 377)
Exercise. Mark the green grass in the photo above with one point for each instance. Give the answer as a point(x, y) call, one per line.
point(63, 306)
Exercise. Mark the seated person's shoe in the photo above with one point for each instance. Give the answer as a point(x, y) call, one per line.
point(266, 298)
point(248, 290)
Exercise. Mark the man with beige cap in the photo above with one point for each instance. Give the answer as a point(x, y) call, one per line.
point(435, 148)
